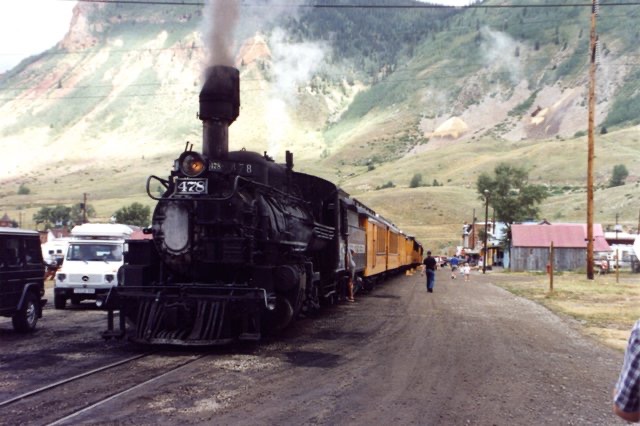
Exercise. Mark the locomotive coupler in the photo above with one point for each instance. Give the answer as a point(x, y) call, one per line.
point(110, 333)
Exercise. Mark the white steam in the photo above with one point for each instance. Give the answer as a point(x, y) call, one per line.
point(499, 53)
point(294, 65)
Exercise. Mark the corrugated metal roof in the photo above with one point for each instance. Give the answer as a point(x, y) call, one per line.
point(565, 235)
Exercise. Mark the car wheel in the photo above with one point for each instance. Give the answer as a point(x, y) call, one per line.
point(25, 319)
point(59, 301)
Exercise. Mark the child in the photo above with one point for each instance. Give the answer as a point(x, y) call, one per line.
point(466, 270)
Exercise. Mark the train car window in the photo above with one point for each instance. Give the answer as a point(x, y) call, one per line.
point(393, 243)
point(381, 240)
point(344, 219)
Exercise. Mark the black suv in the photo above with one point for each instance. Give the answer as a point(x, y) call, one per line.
point(21, 277)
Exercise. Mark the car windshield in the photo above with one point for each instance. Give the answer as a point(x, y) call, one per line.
point(95, 252)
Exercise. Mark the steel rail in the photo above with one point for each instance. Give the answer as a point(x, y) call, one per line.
point(71, 379)
point(119, 394)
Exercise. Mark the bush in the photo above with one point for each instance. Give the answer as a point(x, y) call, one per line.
point(416, 181)
point(23, 190)
point(619, 175)
point(389, 184)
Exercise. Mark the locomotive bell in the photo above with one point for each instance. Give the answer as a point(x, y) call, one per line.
point(219, 107)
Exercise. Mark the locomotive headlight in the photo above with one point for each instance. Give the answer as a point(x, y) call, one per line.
point(192, 164)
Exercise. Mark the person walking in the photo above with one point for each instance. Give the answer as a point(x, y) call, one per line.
point(466, 271)
point(454, 262)
point(430, 269)
point(626, 394)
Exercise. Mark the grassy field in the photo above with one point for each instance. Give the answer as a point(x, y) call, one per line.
point(606, 309)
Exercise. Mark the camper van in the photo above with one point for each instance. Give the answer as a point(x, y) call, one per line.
point(54, 249)
point(91, 263)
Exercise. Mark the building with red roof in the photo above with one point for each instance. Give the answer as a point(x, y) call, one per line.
point(530, 246)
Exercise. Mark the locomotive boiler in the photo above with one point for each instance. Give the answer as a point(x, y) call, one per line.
point(240, 244)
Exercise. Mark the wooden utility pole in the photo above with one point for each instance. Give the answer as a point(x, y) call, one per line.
point(550, 266)
point(592, 106)
point(84, 208)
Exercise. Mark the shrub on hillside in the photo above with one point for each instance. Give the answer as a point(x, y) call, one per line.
point(416, 181)
point(389, 184)
point(619, 175)
point(23, 190)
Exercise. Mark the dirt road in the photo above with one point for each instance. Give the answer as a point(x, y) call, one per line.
point(469, 353)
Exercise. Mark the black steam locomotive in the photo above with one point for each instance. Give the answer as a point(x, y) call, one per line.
point(240, 244)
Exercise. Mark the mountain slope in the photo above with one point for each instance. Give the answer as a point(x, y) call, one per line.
point(361, 96)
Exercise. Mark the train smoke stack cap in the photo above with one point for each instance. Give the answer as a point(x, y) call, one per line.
point(219, 107)
point(220, 95)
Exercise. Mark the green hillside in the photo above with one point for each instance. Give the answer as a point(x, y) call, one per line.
point(392, 92)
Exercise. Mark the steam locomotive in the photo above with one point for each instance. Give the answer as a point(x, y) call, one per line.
point(241, 245)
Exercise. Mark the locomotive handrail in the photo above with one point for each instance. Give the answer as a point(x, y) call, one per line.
point(164, 183)
point(266, 187)
point(236, 180)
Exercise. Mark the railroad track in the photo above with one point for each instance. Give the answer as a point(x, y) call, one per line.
point(64, 400)
point(68, 380)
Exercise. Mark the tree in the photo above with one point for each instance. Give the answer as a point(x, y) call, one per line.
point(511, 195)
point(618, 176)
point(50, 217)
point(416, 181)
point(134, 214)
point(76, 212)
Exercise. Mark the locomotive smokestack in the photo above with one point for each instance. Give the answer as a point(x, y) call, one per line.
point(219, 107)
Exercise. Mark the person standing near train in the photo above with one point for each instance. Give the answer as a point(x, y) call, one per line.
point(351, 264)
point(430, 269)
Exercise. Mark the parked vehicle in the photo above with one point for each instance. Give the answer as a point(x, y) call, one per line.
point(21, 278)
point(91, 263)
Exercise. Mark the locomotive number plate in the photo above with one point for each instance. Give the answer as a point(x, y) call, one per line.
point(191, 186)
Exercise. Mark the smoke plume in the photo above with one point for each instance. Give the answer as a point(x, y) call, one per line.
point(221, 17)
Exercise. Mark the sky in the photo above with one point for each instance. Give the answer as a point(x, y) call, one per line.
point(29, 27)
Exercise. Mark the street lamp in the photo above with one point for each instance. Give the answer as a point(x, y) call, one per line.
point(486, 230)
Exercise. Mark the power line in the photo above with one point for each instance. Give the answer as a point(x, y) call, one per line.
point(454, 30)
point(370, 6)
point(334, 79)
point(471, 6)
